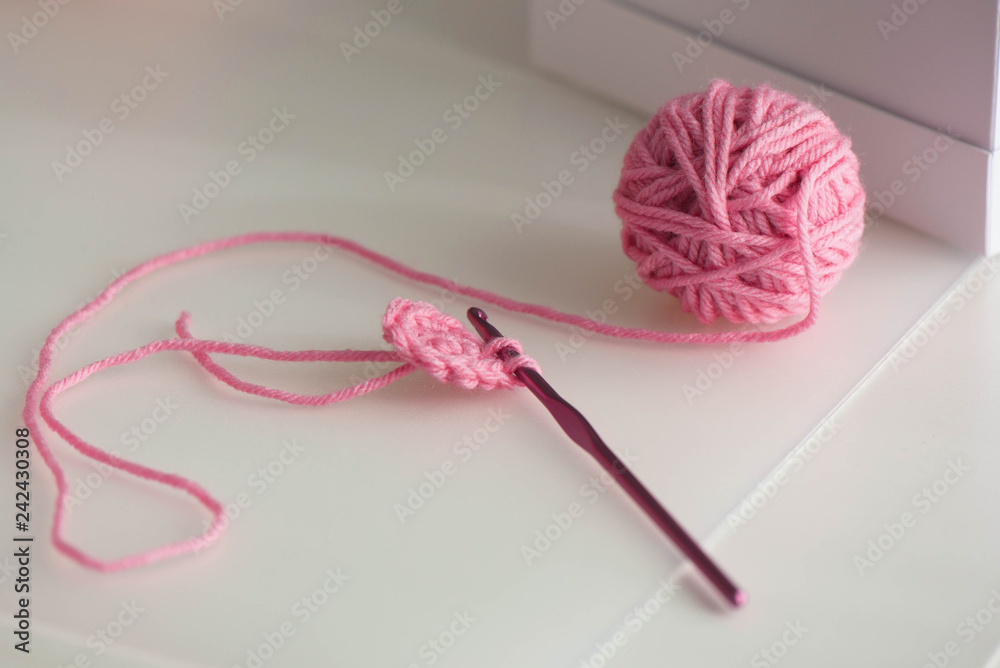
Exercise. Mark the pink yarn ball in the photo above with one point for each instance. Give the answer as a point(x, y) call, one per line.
point(728, 196)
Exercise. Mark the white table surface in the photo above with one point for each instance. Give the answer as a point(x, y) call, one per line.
point(896, 427)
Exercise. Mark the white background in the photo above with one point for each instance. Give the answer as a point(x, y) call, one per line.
point(898, 424)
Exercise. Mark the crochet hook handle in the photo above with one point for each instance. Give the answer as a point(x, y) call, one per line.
point(583, 434)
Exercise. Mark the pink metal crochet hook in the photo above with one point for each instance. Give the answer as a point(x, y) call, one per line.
point(584, 435)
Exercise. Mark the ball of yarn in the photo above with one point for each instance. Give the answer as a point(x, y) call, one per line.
point(443, 347)
point(741, 202)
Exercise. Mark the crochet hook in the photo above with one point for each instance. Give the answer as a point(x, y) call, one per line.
point(583, 434)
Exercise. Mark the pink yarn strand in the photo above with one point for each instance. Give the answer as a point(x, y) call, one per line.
point(198, 348)
point(39, 398)
point(303, 356)
point(744, 203)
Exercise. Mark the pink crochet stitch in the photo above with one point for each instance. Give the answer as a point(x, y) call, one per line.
point(41, 394)
point(443, 347)
point(744, 203)
point(428, 339)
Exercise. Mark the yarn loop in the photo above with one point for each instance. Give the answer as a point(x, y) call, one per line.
point(743, 203)
point(444, 348)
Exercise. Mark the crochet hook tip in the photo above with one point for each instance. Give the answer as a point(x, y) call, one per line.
point(480, 321)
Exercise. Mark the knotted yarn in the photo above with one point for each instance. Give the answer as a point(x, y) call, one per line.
point(444, 348)
point(743, 203)
point(426, 339)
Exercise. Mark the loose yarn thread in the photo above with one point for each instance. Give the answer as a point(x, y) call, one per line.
point(743, 203)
